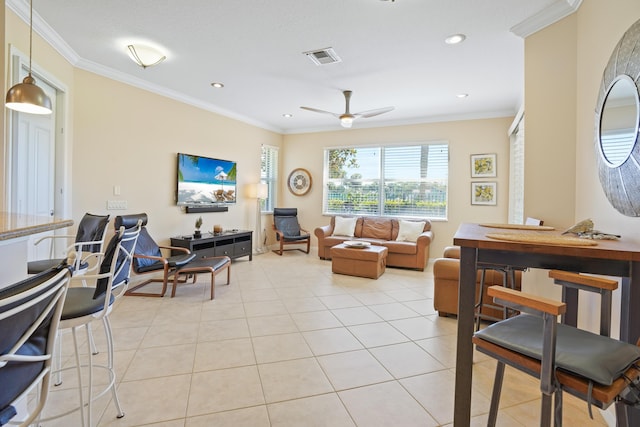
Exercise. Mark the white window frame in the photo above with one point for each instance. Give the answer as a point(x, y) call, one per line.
point(516, 170)
point(349, 195)
point(269, 175)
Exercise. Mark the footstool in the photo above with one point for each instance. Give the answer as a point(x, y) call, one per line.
point(212, 265)
point(368, 262)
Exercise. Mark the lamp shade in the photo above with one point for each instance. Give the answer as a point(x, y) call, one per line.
point(26, 97)
point(262, 190)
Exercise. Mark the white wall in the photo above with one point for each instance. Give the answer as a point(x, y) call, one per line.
point(465, 138)
point(129, 138)
point(563, 69)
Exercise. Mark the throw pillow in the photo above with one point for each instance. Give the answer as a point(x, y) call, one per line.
point(409, 230)
point(344, 226)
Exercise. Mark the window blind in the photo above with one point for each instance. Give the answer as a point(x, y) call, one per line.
point(516, 174)
point(405, 181)
point(269, 176)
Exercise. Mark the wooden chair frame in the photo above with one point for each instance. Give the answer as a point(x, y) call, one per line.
point(554, 381)
point(284, 240)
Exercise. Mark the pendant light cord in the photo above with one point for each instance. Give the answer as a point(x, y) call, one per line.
point(30, 33)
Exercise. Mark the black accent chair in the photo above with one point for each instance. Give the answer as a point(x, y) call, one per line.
point(88, 239)
point(592, 367)
point(288, 230)
point(149, 259)
point(29, 316)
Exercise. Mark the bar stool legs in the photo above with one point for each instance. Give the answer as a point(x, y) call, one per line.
point(111, 369)
point(508, 280)
point(86, 403)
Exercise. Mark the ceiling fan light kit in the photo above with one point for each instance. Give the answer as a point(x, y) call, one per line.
point(347, 118)
point(27, 97)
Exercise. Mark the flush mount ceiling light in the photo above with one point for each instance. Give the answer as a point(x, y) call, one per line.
point(26, 97)
point(217, 85)
point(287, 115)
point(462, 95)
point(145, 56)
point(455, 39)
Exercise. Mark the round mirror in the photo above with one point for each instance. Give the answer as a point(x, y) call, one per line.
point(616, 124)
point(619, 121)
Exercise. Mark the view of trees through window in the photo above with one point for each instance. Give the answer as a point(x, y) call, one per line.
point(406, 181)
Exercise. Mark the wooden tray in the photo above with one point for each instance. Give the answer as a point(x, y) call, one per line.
point(542, 239)
point(520, 226)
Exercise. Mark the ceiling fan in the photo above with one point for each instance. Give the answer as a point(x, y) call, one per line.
point(347, 118)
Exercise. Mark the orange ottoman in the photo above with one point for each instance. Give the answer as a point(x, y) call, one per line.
point(362, 262)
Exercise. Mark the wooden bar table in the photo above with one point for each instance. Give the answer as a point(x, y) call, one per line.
point(619, 258)
point(15, 230)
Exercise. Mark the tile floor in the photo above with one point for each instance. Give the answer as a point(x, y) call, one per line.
point(288, 343)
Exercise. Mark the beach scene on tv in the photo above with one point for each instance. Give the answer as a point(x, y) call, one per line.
point(202, 180)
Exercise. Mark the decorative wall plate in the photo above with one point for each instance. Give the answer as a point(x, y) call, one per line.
point(299, 182)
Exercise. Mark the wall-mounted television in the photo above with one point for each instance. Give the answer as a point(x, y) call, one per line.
point(205, 181)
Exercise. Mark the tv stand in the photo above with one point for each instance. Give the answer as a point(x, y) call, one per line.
point(234, 244)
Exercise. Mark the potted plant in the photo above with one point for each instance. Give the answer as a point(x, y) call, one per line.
point(197, 233)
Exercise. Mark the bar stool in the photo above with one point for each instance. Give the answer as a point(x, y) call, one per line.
point(508, 281)
point(83, 305)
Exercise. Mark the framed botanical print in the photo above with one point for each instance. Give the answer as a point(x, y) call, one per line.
point(483, 165)
point(484, 193)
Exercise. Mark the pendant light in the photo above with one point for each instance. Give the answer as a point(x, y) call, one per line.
point(27, 97)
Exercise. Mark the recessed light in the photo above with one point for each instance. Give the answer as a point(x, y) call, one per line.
point(455, 39)
point(217, 85)
point(462, 95)
point(287, 115)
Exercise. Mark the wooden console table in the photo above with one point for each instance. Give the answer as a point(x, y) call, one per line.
point(619, 258)
point(234, 244)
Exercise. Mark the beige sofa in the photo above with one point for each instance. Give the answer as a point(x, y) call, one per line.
point(381, 231)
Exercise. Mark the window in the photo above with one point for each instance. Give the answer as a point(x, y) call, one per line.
point(516, 173)
point(408, 181)
point(269, 175)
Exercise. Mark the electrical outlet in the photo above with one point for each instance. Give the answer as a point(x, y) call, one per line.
point(116, 205)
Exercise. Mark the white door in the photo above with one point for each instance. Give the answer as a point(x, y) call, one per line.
point(33, 168)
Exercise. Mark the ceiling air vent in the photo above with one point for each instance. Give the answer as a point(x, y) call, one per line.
point(323, 56)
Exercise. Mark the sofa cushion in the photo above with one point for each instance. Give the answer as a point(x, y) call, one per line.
point(452, 252)
point(376, 228)
point(344, 226)
point(410, 230)
point(409, 248)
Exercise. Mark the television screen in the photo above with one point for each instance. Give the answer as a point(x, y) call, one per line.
point(205, 181)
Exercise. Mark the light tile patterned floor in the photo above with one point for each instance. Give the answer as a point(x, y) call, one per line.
point(288, 343)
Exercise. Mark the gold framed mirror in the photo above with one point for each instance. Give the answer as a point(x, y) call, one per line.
point(617, 120)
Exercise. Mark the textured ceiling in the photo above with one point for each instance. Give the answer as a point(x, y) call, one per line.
point(393, 54)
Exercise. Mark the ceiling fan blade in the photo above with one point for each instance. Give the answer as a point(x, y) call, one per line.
point(315, 110)
point(376, 112)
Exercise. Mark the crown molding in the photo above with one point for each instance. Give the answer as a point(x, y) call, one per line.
point(21, 9)
point(546, 17)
